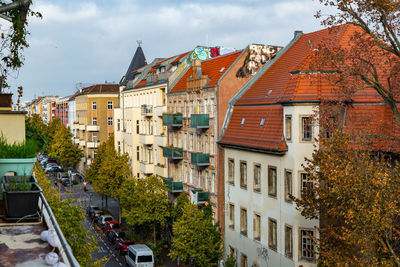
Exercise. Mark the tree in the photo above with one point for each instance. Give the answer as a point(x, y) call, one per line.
point(196, 238)
point(70, 218)
point(145, 202)
point(177, 210)
point(108, 170)
point(372, 60)
point(62, 147)
point(354, 191)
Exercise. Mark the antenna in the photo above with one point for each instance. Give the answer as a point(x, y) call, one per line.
point(139, 42)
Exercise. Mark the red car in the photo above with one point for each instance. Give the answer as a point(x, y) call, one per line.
point(111, 225)
point(122, 245)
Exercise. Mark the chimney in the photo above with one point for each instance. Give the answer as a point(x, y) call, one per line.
point(196, 69)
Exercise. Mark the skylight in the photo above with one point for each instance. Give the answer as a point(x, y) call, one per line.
point(222, 69)
point(262, 122)
point(242, 123)
point(269, 92)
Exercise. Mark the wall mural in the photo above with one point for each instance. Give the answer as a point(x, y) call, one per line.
point(257, 56)
point(205, 52)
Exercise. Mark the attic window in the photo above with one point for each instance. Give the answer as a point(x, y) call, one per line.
point(262, 122)
point(269, 92)
point(242, 123)
point(222, 69)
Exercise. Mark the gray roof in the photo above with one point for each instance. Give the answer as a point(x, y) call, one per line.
point(138, 61)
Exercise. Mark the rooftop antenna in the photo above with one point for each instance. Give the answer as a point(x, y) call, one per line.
point(139, 42)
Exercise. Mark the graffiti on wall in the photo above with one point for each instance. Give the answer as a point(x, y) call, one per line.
point(263, 253)
point(257, 56)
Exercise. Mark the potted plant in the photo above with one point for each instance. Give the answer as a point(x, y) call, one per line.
point(21, 198)
point(18, 157)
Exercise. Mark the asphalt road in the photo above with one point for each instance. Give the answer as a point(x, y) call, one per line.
point(105, 249)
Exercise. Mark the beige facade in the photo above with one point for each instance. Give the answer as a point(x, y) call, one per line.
point(12, 125)
point(94, 122)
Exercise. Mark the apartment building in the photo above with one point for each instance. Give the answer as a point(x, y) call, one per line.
point(197, 103)
point(61, 109)
point(267, 133)
point(94, 121)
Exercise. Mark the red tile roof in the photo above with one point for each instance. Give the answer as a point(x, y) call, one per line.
point(100, 88)
point(251, 133)
point(212, 68)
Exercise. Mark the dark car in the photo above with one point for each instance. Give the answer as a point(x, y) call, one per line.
point(114, 235)
point(122, 245)
point(111, 225)
point(96, 215)
point(66, 182)
point(91, 209)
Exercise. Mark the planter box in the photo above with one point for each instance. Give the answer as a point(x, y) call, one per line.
point(19, 204)
point(23, 167)
point(18, 179)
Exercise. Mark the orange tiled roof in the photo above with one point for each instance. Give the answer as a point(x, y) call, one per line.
point(212, 68)
point(251, 133)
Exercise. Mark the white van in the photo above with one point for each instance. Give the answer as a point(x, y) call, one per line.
point(139, 255)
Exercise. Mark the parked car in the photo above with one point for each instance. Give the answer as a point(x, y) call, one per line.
point(122, 245)
point(62, 175)
point(96, 215)
point(111, 225)
point(52, 169)
point(66, 182)
point(91, 209)
point(103, 219)
point(114, 235)
point(139, 255)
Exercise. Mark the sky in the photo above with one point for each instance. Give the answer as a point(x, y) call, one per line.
point(79, 42)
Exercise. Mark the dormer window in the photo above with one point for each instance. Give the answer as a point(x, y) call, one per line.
point(173, 68)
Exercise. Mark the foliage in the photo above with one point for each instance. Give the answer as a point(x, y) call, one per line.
point(177, 210)
point(19, 186)
point(62, 147)
point(196, 238)
point(27, 149)
point(71, 219)
point(355, 194)
point(14, 41)
point(35, 129)
point(373, 58)
point(145, 202)
point(230, 261)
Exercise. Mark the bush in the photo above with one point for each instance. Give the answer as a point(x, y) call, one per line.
point(27, 149)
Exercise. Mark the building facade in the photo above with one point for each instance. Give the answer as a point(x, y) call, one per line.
point(61, 109)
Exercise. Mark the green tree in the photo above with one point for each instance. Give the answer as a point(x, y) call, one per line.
point(145, 202)
point(196, 238)
point(177, 210)
point(71, 219)
point(62, 147)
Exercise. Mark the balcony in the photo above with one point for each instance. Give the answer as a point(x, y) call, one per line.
point(160, 170)
point(92, 144)
point(200, 159)
point(81, 127)
point(82, 143)
point(92, 128)
point(198, 197)
point(172, 120)
point(146, 167)
point(146, 139)
point(200, 121)
point(147, 110)
point(160, 140)
point(174, 187)
point(173, 153)
point(76, 140)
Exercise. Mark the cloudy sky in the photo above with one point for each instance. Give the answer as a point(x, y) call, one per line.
point(81, 41)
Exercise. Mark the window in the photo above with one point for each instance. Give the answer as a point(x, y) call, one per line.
point(272, 181)
point(137, 153)
point(307, 247)
point(257, 178)
point(288, 185)
point(288, 241)
point(94, 138)
point(306, 183)
point(119, 147)
point(288, 127)
point(118, 125)
point(243, 260)
point(94, 105)
point(243, 222)
point(109, 105)
point(94, 154)
point(272, 235)
point(231, 171)
point(94, 121)
point(256, 227)
point(243, 174)
point(137, 127)
point(232, 216)
point(110, 121)
point(306, 134)
point(232, 252)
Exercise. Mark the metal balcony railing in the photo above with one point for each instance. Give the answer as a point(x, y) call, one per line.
point(147, 110)
point(172, 120)
point(172, 153)
point(199, 120)
point(200, 159)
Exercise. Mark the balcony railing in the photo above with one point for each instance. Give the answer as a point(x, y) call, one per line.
point(199, 120)
point(92, 128)
point(174, 187)
point(199, 197)
point(200, 159)
point(172, 120)
point(147, 110)
point(173, 153)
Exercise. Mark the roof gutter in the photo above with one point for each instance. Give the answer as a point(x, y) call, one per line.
point(297, 35)
point(272, 151)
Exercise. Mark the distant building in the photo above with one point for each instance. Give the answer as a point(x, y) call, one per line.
point(61, 109)
point(12, 123)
